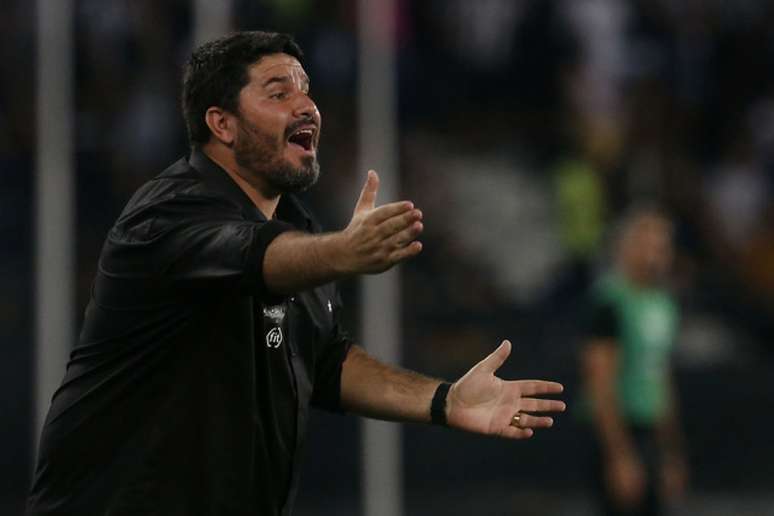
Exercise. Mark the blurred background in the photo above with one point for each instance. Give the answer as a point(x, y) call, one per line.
point(523, 129)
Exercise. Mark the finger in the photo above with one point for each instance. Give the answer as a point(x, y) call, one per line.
point(530, 421)
point(532, 387)
point(390, 227)
point(404, 253)
point(538, 405)
point(367, 198)
point(512, 432)
point(394, 209)
point(405, 237)
point(493, 362)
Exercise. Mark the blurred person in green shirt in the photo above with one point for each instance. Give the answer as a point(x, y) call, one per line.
point(626, 373)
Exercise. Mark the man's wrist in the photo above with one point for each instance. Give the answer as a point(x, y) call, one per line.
point(331, 252)
point(438, 405)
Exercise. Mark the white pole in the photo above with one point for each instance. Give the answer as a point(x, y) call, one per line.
point(380, 317)
point(212, 18)
point(55, 202)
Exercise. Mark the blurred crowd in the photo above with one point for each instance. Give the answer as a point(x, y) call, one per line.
point(534, 132)
point(527, 127)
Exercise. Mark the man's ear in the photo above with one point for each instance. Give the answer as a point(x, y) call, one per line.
point(222, 124)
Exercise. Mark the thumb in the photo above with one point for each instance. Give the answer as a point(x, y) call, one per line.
point(493, 362)
point(367, 198)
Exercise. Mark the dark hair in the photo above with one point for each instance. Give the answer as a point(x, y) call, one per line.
point(217, 72)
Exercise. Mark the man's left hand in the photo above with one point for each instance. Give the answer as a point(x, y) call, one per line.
point(480, 402)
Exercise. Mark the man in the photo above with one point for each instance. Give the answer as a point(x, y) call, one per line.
point(214, 324)
point(625, 368)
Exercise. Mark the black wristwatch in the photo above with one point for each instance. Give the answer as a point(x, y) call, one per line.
point(438, 406)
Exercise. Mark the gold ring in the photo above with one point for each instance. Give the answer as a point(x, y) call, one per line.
point(516, 420)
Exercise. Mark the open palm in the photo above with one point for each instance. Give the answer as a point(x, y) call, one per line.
point(481, 402)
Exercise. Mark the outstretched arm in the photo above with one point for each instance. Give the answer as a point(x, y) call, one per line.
point(479, 402)
point(375, 239)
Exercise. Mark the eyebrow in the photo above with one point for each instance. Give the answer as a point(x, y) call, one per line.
point(283, 79)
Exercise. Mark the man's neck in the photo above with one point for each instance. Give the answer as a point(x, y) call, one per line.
point(225, 159)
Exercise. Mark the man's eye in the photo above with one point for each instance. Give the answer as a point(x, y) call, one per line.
point(278, 96)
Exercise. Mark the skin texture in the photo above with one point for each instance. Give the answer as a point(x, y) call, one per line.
point(252, 145)
point(645, 250)
point(274, 105)
point(644, 255)
point(479, 402)
point(255, 149)
point(483, 403)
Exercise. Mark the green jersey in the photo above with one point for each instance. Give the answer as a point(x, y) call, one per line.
point(643, 322)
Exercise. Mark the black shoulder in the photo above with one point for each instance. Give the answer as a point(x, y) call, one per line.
point(176, 195)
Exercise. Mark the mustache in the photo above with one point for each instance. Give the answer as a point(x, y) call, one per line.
point(306, 120)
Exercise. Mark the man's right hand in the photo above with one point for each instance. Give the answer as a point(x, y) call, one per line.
point(378, 237)
point(375, 239)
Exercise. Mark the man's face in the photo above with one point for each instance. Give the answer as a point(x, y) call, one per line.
point(278, 126)
point(647, 248)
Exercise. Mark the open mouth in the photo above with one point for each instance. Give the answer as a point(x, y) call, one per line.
point(304, 138)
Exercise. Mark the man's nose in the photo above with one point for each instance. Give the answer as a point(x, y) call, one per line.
point(305, 107)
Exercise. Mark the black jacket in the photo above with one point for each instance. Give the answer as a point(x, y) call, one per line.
point(189, 389)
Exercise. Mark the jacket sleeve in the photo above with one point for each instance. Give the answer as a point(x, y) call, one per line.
point(188, 243)
point(330, 359)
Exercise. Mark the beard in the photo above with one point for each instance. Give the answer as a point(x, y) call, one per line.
point(261, 155)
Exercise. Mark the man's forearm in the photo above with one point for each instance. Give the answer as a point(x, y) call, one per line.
point(297, 261)
point(375, 240)
point(478, 402)
point(373, 389)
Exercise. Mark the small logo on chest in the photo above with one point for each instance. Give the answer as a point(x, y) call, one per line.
point(274, 337)
point(274, 315)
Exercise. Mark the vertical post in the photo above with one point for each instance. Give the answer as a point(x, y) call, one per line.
point(212, 18)
point(55, 269)
point(380, 317)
